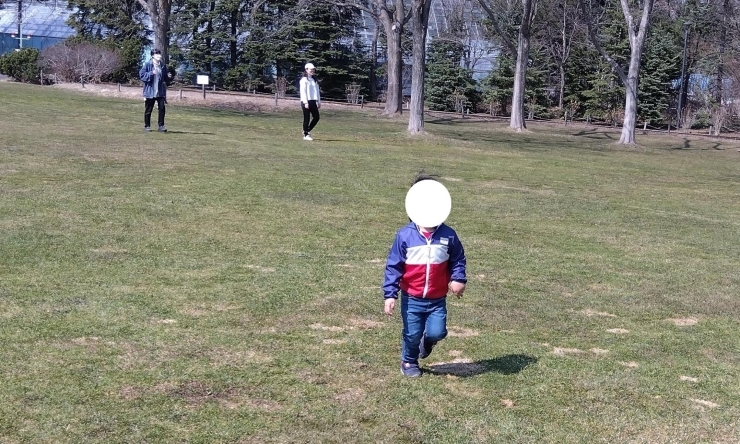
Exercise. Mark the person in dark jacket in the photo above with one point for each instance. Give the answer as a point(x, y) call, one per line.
point(154, 75)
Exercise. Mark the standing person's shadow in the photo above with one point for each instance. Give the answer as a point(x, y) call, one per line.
point(506, 365)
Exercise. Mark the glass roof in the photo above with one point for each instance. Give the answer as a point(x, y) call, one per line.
point(40, 19)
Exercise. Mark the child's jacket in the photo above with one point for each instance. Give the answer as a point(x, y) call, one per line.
point(424, 268)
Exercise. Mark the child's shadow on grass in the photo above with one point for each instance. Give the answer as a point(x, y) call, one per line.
point(506, 365)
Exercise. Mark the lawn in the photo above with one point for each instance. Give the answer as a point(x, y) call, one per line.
point(221, 283)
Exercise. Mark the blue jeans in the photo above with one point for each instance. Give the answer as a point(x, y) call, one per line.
point(420, 317)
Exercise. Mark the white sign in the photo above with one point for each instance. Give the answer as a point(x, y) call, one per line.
point(202, 80)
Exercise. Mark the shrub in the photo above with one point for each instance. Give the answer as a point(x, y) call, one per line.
point(80, 62)
point(21, 65)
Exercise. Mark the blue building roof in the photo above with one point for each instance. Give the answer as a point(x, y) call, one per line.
point(40, 19)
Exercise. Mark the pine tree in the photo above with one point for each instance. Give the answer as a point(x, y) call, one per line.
point(446, 77)
point(661, 64)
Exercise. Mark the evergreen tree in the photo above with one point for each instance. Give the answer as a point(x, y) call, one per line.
point(661, 65)
point(498, 85)
point(446, 77)
point(593, 84)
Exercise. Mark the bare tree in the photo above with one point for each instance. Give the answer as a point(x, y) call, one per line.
point(419, 24)
point(159, 13)
point(80, 63)
point(528, 12)
point(392, 17)
point(637, 33)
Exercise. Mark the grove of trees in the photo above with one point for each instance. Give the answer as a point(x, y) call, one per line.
point(618, 62)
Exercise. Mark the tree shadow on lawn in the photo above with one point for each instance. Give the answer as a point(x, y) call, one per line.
point(506, 365)
point(190, 132)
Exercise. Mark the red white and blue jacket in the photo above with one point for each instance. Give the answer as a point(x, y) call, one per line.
point(424, 267)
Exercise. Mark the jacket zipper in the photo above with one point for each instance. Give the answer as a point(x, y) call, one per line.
point(429, 261)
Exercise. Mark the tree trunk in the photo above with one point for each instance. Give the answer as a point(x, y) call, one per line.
point(159, 13)
point(630, 80)
point(630, 105)
point(561, 93)
point(522, 61)
point(721, 55)
point(392, 22)
point(234, 25)
point(637, 42)
point(419, 22)
point(372, 77)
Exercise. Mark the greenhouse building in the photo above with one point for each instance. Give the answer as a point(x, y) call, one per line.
point(42, 24)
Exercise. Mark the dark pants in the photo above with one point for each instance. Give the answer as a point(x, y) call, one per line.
point(312, 110)
point(149, 107)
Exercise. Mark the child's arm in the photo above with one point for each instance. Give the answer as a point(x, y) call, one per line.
point(458, 265)
point(394, 268)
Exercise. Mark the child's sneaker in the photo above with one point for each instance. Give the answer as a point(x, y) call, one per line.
point(425, 347)
point(307, 137)
point(410, 370)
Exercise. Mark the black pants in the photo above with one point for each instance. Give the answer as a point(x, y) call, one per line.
point(149, 107)
point(312, 110)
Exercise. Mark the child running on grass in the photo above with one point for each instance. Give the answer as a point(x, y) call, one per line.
point(424, 263)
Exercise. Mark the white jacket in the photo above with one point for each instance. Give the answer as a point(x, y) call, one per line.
point(309, 90)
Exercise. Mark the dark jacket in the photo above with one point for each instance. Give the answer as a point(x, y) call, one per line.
point(146, 75)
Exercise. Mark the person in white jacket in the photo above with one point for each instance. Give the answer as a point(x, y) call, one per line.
point(310, 100)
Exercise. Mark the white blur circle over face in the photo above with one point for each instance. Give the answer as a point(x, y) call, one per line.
point(428, 203)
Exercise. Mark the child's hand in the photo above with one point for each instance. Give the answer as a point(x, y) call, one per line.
point(457, 288)
point(390, 304)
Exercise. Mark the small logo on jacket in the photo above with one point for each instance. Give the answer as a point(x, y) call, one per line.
point(443, 241)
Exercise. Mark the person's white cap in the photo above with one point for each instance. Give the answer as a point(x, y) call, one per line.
point(428, 203)
point(309, 66)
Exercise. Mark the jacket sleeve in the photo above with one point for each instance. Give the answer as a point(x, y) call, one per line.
point(394, 268)
point(145, 74)
point(457, 261)
point(303, 86)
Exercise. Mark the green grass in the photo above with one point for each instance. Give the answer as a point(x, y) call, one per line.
point(220, 283)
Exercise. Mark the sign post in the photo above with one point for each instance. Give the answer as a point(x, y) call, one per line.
point(202, 81)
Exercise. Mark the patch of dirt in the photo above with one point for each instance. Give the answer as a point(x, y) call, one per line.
point(506, 186)
point(261, 269)
point(599, 351)
point(630, 364)
point(364, 324)
point(560, 351)
point(349, 396)
point(461, 332)
point(325, 327)
point(704, 403)
point(684, 322)
point(334, 341)
point(508, 403)
point(618, 331)
point(167, 321)
point(88, 341)
point(590, 313)
point(688, 379)
point(221, 357)
point(452, 179)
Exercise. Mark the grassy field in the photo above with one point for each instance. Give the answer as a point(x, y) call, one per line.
point(221, 283)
